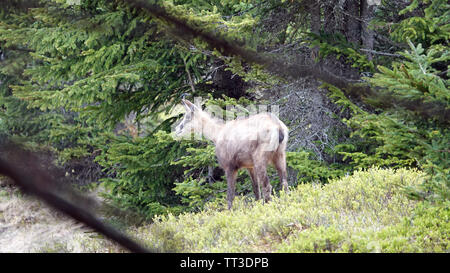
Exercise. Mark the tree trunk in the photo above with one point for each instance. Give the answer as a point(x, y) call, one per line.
point(314, 12)
point(329, 24)
point(367, 36)
point(352, 21)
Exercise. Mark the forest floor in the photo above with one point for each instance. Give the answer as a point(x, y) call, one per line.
point(28, 225)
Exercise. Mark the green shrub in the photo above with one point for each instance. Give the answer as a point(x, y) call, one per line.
point(403, 138)
point(142, 177)
point(365, 212)
point(310, 170)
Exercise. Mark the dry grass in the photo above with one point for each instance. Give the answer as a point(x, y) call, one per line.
point(28, 225)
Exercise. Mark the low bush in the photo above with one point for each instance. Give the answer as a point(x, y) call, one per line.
point(366, 212)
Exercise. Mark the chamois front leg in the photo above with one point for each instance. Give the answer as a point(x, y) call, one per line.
point(231, 183)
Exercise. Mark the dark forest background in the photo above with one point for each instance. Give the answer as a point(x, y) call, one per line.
point(95, 87)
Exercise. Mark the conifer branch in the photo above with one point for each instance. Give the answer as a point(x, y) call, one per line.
point(284, 69)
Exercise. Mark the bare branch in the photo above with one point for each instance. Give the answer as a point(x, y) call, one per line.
point(191, 83)
point(381, 53)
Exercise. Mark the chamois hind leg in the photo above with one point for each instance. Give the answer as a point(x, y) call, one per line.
point(255, 184)
point(263, 179)
point(280, 165)
point(231, 189)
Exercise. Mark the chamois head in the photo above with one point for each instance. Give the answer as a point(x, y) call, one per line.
point(191, 122)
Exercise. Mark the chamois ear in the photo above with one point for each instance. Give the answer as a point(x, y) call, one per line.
point(189, 105)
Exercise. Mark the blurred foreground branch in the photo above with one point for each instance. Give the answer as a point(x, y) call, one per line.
point(32, 176)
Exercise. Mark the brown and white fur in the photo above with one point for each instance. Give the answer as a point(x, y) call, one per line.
point(250, 143)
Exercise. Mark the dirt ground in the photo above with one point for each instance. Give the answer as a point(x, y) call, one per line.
point(28, 225)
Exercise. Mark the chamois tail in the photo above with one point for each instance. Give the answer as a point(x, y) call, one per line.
point(280, 135)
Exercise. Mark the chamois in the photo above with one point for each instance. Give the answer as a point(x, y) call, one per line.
point(251, 143)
